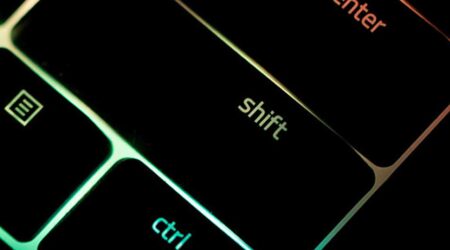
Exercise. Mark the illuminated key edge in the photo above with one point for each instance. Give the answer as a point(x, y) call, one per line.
point(119, 144)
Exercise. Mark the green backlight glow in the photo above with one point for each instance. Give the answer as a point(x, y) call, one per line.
point(120, 149)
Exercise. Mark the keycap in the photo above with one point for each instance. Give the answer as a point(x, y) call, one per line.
point(48, 149)
point(134, 209)
point(411, 209)
point(370, 98)
point(235, 142)
point(7, 7)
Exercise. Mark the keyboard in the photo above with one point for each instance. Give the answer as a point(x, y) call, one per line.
point(223, 124)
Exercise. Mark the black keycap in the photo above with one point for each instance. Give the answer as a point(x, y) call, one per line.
point(195, 109)
point(7, 7)
point(371, 99)
point(47, 149)
point(436, 12)
point(134, 209)
point(411, 210)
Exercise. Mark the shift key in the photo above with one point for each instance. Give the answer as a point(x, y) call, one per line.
point(370, 101)
point(262, 164)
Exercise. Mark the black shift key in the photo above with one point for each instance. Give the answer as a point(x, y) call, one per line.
point(134, 209)
point(47, 149)
point(372, 49)
point(263, 165)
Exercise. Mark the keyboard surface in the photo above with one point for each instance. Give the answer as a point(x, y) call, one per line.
point(235, 160)
point(223, 127)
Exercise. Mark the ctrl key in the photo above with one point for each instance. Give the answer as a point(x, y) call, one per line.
point(132, 208)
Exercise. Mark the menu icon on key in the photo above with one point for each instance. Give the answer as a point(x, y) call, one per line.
point(24, 107)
